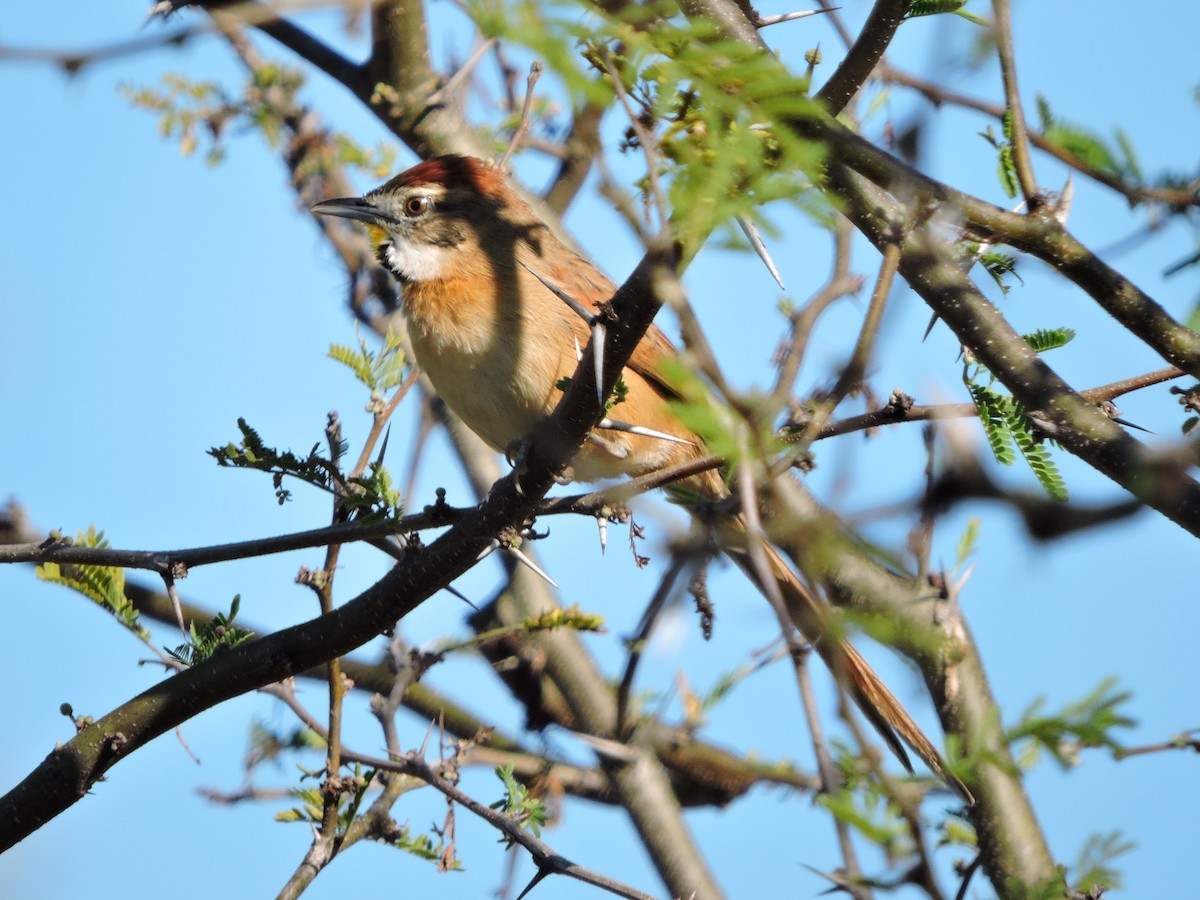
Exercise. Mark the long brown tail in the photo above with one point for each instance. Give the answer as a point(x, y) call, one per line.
point(878, 704)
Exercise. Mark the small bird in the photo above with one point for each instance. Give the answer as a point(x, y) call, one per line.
point(477, 264)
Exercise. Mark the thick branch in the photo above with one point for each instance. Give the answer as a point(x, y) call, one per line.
point(579, 151)
point(1039, 235)
point(70, 770)
point(400, 61)
point(701, 774)
point(864, 55)
point(1010, 837)
point(1070, 419)
point(644, 788)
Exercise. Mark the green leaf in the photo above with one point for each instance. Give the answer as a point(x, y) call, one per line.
point(966, 543)
point(530, 812)
point(703, 413)
point(1119, 160)
point(103, 585)
point(709, 103)
point(1034, 451)
point(1129, 161)
point(1090, 722)
point(1044, 113)
point(989, 406)
point(1006, 170)
point(1000, 266)
point(1006, 427)
point(311, 809)
point(379, 370)
point(1085, 146)
point(192, 111)
point(958, 832)
point(874, 817)
point(1049, 338)
point(215, 636)
point(1095, 872)
point(253, 453)
point(917, 8)
point(422, 846)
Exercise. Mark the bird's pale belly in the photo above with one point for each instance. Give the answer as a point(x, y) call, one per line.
point(501, 393)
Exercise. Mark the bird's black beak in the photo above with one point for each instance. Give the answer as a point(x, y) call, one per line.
point(353, 208)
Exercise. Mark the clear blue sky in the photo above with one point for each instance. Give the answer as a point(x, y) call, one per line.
point(149, 301)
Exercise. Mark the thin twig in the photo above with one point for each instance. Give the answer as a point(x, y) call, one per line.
point(535, 72)
point(937, 95)
point(1185, 741)
point(637, 643)
point(266, 18)
point(854, 371)
point(647, 141)
point(830, 777)
point(841, 283)
point(455, 81)
point(1002, 29)
point(168, 578)
point(413, 765)
point(585, 503)
point(897, 413)
point(382, 417)
point(838, 25)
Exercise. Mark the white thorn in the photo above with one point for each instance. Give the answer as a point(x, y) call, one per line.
point(578, 349)
point(617, 425)
point(1063, 209)
point(606, 747)
point(756, 241)
point(602, 524)
point(425, 742)
point(537, 570)
point(579, 308)
point(764, 21)
point(598, 334)
point(961, 583)
point(488, 549)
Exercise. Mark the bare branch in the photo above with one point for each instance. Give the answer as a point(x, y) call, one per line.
point(1134, 193)
point(523, 125)
point(864, 55)
point(1002, 28)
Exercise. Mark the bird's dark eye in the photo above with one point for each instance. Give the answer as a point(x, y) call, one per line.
point(416, 206)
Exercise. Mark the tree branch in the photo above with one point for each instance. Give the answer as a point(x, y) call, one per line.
point(71, 769)
point(1002, 28)
point(1039, 235)
point(934, 634)
point(1071, 420)
point(1134, 193)
point(860, 61)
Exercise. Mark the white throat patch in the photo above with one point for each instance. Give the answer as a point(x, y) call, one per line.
point(418, 262)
